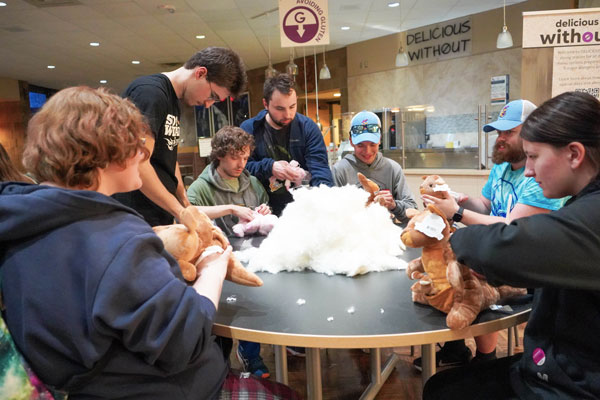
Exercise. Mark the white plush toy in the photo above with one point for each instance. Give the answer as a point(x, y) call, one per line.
point(263, 224)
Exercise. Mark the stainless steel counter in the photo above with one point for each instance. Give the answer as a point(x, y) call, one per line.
point(448, 158)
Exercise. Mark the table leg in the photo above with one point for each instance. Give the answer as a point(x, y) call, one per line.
point(510, 349)
point(314, 387)
point(281, 369)
point(378, 377)
point(427, 361)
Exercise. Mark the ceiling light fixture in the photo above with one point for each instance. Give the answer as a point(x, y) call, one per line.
point(51, 67)
point(135, 62)
point(200, 36)
point(401, 58)
point(337, 95)
point(324, 73)
point(2, 4)
point(270, 72)
point(103, 81)
point(394, 4)
point(292, 67)
point(345, 28)
point(504, 38)
point(94, 44)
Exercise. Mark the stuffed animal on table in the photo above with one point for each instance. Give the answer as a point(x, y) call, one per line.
point(188, 241)
point(263, 224)
point(433, 185)
point(300, 174)
point(443, 282)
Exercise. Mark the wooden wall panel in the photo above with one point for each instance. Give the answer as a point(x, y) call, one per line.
point(12, 129)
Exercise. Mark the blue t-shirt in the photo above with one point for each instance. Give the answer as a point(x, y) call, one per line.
point(505, 188)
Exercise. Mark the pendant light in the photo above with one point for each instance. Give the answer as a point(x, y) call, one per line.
point(270, 72)
point(504, 38)
point(324, 73)
point(292, 68)
point(401, 58)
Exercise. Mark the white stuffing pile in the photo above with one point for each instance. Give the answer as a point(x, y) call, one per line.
point(329, 230)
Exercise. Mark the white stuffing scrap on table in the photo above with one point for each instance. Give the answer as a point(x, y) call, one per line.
point(329, 230)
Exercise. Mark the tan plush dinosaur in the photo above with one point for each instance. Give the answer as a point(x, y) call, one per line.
point(444, 283)
point(370, 187)
point(188, 240)
point(431, 185)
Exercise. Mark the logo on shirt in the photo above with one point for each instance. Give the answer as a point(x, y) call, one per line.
point(172, 131)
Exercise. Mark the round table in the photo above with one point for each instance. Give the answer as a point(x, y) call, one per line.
point(316, 311)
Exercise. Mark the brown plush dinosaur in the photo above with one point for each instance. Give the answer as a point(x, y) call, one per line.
point(444, 283)
point(370, 187)
point(188, 240)
point(428, 186)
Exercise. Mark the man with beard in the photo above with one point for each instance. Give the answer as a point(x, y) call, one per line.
point(507, 195)
point(281, 135)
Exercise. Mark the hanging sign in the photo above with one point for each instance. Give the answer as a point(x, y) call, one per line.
point(442, 41)
point(557, 28)
point(303, 23)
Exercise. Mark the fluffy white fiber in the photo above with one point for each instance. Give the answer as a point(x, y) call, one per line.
point(329, 230)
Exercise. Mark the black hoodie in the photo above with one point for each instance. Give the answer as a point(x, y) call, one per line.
point(82, 274)
point(558, 254)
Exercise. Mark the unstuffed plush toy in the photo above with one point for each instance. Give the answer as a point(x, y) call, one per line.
point(189, 240)
point(263, 224)
point(370, 187)
point(275, 183)
point(444, 283)
point(432, 185)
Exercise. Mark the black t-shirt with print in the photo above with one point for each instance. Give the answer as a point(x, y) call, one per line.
point(278, 148)
point(155, 97)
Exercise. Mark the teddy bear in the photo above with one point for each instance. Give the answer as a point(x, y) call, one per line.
point(433, 185)
point(263, 224)
point(443, 282)
point(188, 241)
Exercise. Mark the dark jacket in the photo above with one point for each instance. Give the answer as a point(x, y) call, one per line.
point(81, 274)
point(306, 146)
point(558, 254)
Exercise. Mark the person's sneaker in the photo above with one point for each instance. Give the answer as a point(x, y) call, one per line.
point(448, 356)
point(296, 351)
point(255, 366)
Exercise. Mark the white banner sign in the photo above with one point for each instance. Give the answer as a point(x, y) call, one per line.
point(576, 69)
point(575, 27)
point(303, 23)
point(442, 41)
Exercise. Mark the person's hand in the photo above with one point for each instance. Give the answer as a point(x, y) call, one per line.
point(448, 205)
point(388, 199)
point(263, 209)
point(283, 171)
point(243, 213)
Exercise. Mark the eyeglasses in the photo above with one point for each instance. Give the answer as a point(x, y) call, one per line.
point(366, 128)
point(214, 97)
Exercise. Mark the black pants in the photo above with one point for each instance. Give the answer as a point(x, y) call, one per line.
point(483, 380)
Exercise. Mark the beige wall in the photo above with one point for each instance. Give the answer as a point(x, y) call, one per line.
point(454, 86)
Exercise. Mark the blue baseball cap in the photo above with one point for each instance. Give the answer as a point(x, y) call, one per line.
point(365, 126)
point(512, 115)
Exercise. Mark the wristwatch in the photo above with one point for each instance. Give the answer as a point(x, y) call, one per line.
point(458, 214)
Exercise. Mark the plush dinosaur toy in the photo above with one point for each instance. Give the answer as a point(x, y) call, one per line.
point(444, 283)
point(432, 185)
point(370, 187)
point(188, 241)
